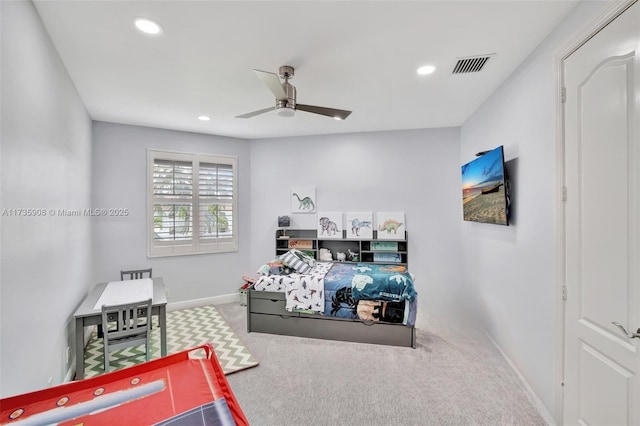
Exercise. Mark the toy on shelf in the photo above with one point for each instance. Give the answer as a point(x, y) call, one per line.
point(325, 255)
point(353, 256)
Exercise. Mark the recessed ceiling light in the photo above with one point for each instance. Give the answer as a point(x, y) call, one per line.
point(427, 69)
point(147, 26)
point(204, 118)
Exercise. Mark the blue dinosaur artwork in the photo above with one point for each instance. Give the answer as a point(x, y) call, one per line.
point(359, 225)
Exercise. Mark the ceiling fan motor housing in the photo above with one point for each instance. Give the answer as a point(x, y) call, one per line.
point(287, 107)
point(286, 72)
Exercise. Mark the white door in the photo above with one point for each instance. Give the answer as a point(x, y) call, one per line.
point(602, 225)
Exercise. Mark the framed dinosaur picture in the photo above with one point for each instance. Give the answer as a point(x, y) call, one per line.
point(329, 225)
point(303, 199)
point(390, 226)
point(359, 225)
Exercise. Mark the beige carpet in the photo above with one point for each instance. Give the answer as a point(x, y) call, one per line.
point(452, 377)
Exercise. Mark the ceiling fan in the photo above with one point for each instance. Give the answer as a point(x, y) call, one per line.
point(285, 93)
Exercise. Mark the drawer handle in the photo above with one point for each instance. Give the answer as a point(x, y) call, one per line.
point(286, 316)
point(274, 300)
point(368, 323)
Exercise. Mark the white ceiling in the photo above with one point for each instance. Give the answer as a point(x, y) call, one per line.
point(356, 55)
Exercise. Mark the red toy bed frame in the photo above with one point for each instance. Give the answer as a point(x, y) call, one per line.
point(164, 391)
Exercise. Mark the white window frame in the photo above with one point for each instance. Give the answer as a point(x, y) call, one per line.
point(195, 245)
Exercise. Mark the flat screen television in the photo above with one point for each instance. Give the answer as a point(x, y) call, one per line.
point(485, 189)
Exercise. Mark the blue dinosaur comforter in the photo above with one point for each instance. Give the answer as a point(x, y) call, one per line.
point(370, 292)
point(382, 282)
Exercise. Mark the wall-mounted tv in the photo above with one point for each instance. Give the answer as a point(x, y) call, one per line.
point(485, 196)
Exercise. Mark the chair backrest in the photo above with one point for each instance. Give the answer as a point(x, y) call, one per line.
point(135, 274)
point(127, 324)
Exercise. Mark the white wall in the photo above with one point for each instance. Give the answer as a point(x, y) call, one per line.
point(119, 180)
point(415, 171)
point(46, 164)
point(511, 271)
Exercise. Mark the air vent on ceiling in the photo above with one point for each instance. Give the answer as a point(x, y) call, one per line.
point(473, 64)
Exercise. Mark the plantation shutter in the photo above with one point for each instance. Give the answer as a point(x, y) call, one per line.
point(172, 200)
point(216, 200)
point(192, 200)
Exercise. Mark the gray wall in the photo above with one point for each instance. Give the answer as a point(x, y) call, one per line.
point(415, 171)
point(119, 179)
point(511, 271)
point(46, 164)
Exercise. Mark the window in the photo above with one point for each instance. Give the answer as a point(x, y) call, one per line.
point(192, 204)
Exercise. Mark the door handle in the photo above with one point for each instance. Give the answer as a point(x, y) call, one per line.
point(625, 332)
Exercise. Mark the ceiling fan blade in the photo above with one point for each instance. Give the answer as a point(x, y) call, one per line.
point(254, 113)
point(339, 114)
point(273, 83)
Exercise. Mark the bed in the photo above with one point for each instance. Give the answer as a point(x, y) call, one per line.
point(358, 302)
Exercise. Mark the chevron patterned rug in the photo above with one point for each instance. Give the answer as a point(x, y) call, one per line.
point(186, 328)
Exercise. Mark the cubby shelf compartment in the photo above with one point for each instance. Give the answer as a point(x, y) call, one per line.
point(369, 250)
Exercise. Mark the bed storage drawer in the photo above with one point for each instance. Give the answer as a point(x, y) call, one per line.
point(271, 295)
point(270, 306)
point(319, 328)
point(267, 302)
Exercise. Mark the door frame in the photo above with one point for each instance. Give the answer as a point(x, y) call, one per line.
point(573, 44)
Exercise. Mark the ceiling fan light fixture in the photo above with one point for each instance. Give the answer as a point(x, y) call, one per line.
point(285, 112)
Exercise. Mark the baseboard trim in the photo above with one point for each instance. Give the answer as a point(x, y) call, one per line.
point(71, 370)
point(215, 300)
point(535, 400)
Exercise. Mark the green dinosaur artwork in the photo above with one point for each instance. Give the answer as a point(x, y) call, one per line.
point(305, 203)
point(390, 225)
